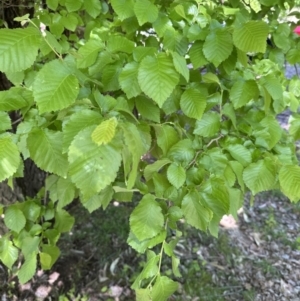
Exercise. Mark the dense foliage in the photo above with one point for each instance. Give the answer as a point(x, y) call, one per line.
point(173, 100)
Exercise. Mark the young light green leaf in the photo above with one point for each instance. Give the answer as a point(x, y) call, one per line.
point(45, 148)
point(289, 179)
point(217, 46)
point(163, 288)
point(53, 93)
point(209, 125)
point(193, 103)
point(18, 48)
point(251, 36)
point(88, 53)
point(105, 131)
point(260, 176)
point(157, 77)
point(176, 175)
point(9, 158)
point(123, 8)
point(196, 214)
point(146, 220)
point(92, 167)
point(145, 11)
point(8, 253)
point(27, 269)
point(129, 80)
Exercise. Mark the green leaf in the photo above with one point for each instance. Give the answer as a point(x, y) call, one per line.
point(31, 210)
point(103, 198)
point(45, 148)
point(209, 125)
point(166, 137)
point(88, 53)
point(182, 151)
point(73, 5)
point(176, 175)
point(242, 92)
point(157, 77)
point(105, 131)
point(196, 214)
point(146, 220)
point(289, 179)
point(147, 108)
point(92, 167)
point(49, 256)
point(273, 130)
point(123, 8)
point(155, 167)
point(145, 11)
point(63, 221)
point(193, 103)
point(143, 294)
point(8, 253)
point(260, 176)
point(141, 52)
point(27, 269)
point(251, 36)
point(65, 192)
point(53, 93)
point(217, 46)
point(150, 269)
point(175, 264)
point(134, 142)
point(30, 246)
point(273, 86)
point(181, 65)
point(119, 43)
point(14, 99)
point(52, 4)
point(78, 121)
point(240, 153)
point(128, 80)
point(18, 48)
point(197, 56)
point(216, 196)
point(9, 158)
point(92, 7)
point(163, 288)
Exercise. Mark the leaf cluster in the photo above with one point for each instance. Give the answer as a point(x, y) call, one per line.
point(174, 100)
